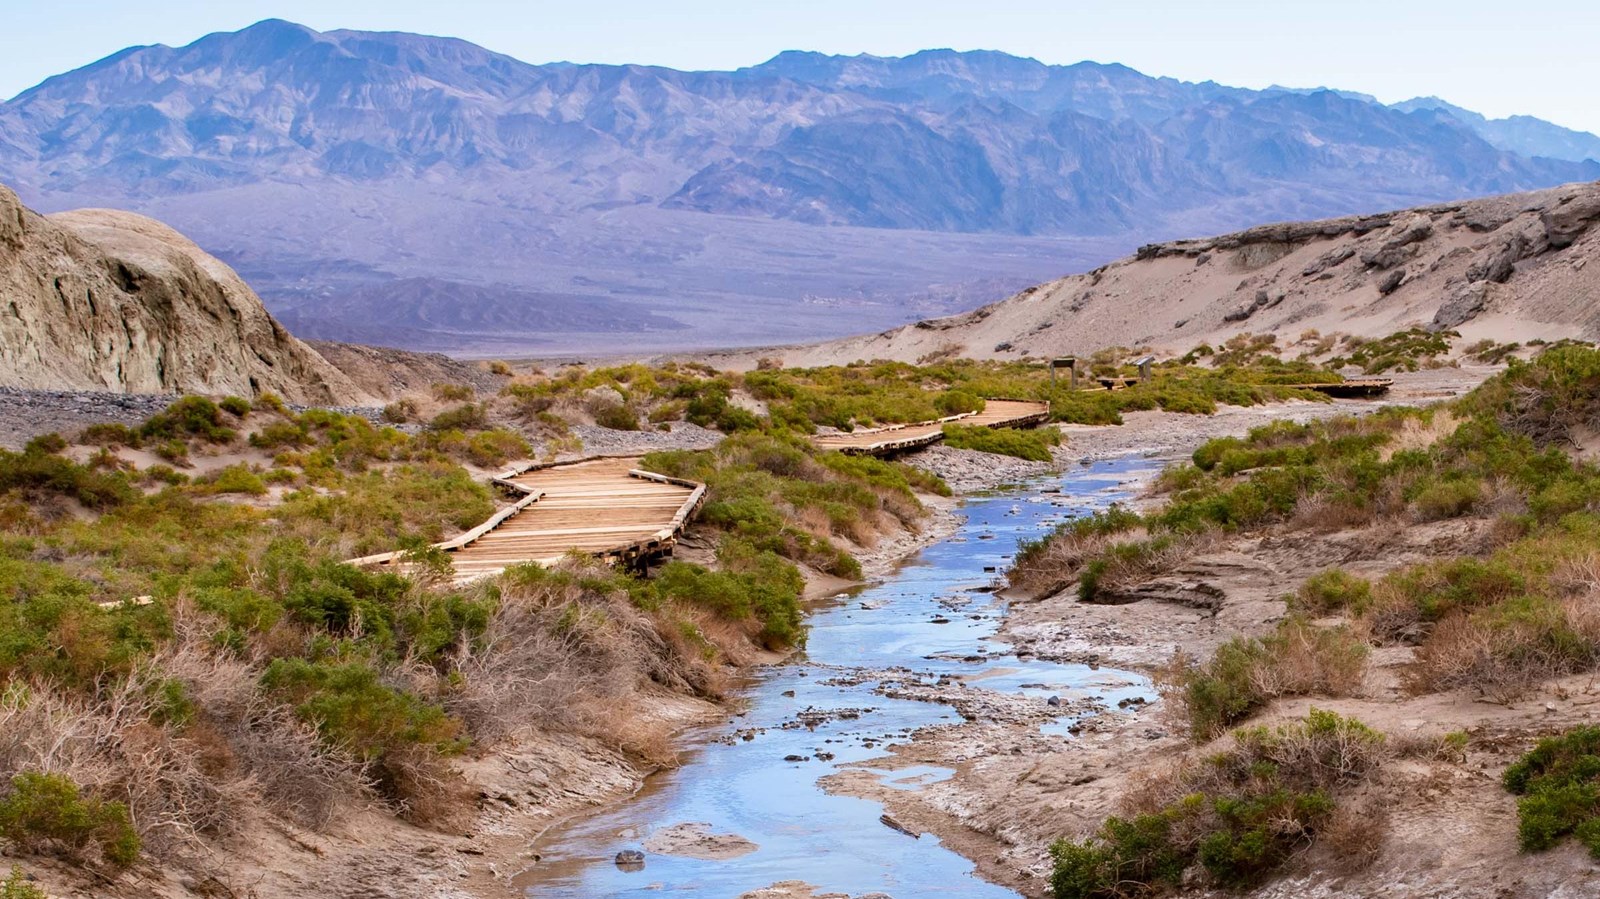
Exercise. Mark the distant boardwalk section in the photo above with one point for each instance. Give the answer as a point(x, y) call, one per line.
point(903, 438)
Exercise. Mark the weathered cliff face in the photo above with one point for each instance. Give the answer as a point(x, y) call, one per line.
point(1514, 267)
point(104, 300)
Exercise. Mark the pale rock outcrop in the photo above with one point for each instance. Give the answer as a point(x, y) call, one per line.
point(99, 299)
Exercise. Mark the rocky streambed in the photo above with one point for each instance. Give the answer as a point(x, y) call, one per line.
point(780, 794)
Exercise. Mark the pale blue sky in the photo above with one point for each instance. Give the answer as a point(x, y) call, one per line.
point(1494, 57)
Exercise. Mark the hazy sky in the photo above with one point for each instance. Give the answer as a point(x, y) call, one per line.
point(1496, 58)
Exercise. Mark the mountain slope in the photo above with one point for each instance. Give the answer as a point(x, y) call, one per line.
point(337, 167)
point(1520, 134)
point(106, 300)
point(1511, 268)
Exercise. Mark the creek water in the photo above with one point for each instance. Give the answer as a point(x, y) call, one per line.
point(756, 774)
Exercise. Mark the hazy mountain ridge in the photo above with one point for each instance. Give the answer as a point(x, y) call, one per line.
point(314, 160)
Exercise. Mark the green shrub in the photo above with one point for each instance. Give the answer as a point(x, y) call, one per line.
point(495, 447)
point(1450, 498)
point(43, 809)
point(238, 478)
point(1559, 782)
point(957, 402)
point(175, 451)
point(17, 886)
point(189, 416)
point(1333, 591)
point(400, 411)
point(352, 709)
point(616, 416)
point(280, 434)
point(1033, 445)
point(1245, 672)
point(236, 406)
point(109, 434)
point(465, 417)
point(1243, 813)
point(452, 393)
point(36, 470)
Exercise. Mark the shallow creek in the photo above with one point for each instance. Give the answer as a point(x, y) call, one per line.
point(756, 774)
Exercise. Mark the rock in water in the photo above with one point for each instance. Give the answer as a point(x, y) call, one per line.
point(630, 858)
point(100, 299)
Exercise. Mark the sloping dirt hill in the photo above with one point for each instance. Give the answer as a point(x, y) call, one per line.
point(1511, 268)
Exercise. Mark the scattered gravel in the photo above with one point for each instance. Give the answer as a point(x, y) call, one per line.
point(682, 436)
point(25, 414)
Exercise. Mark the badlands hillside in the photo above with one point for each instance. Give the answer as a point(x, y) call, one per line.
point(100, 299)
point(1512, 267)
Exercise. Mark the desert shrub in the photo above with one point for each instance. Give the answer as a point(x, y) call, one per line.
point(773, 493)
point(1298, 659)
point(238, 478)
point(1559, 785)
point(400, 411)
point(18, 886)
point(1450, 498)
point(1504, 650)
point(1410, 350)
point(164, 474)
point(495, 447)
point(614, 415)
point(37, 471)
point(352, 709)
point(109, 434)
point(957, 402)
point(759, 587)
point(43, 810)
point(280, 434)
point(465, 417)
point(1032, 445)
point(188, 417)
point(1239, 814)
point(1050, 563)
point(237, 406)
point(452, 393)
point(1412, 599)
point(1331, 592)
point(1548, 399)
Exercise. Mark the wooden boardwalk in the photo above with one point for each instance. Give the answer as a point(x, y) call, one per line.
point(606, 507)
point(901, 438)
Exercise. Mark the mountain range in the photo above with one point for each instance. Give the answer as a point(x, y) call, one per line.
point(424, 191)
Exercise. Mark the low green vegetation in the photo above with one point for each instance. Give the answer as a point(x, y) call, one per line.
point(18, 886)
point(41, 811)
point(1408, 350)
point(1559, 785)
point(1033, 445)
point(1298, 659)
point(1238, 815)
point(213, 634)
